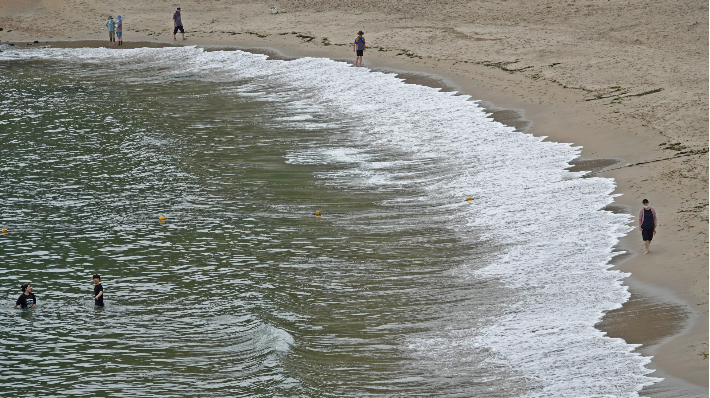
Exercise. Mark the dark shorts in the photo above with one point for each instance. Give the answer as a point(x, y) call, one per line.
point(359, 52)
point(647, 234)
point(179, 27)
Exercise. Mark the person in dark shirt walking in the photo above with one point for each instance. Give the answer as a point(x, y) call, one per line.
point(177, 21)
point(27, 299)
point(98, 291)
point(647, 224)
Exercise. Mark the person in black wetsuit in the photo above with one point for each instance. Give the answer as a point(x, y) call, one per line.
point(27, 299)
point(98, 291)
point(647, 224)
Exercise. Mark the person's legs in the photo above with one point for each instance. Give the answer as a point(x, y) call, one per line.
point(647, 235)
point(120, 38)
point(181, 29)
point(358, 57)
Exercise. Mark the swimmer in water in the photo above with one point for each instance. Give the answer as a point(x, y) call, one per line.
point(27, 299)
point(98, 291)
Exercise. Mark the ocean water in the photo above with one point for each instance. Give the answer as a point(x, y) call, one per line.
point(401, 287)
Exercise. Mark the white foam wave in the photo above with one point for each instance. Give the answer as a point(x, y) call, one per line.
point(557, 239)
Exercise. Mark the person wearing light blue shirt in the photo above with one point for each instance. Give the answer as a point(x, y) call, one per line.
point(111, 25)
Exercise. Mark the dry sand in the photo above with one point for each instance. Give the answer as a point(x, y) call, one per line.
point(625, 79)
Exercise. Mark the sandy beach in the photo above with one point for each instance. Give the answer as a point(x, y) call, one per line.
point(625, 80)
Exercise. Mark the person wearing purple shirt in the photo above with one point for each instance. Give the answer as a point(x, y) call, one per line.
point(119, 30)
point(177, 21)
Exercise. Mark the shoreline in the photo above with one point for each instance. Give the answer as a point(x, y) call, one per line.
point(564, 113)
point(680, 321)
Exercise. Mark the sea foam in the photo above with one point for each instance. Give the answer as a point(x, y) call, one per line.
point(555, 238)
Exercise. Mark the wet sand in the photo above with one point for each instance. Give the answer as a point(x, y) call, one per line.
point(88, 43)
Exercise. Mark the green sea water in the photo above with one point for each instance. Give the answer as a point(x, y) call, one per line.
point(242, 290)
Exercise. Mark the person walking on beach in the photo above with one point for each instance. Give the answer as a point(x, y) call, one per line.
point(111, 25)
point(27, 299)
point(359, 47)
point(119, 30)
point(647, 224)
point(177, 21)
point(98, 291)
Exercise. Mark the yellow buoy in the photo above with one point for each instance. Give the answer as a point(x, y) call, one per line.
point(318, 213)
point(161, 218)
point(705, 149)
point(469, 198)
point(3, 230)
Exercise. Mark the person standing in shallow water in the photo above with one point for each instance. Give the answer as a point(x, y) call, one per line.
point(647, 224)
point(98, 291)
point(27, 299)
point(177, 21)
point(111, 25)
point(359, 47)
